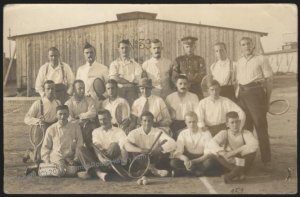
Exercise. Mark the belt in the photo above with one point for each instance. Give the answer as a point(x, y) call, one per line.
point(115, 125)
point(254, 84)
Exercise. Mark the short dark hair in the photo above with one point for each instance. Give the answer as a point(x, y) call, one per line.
point(155, 41)
point(246, 38)
point(213, 83)
point(181, 76)
point(77, 81)
point(48, 82)
point(54, 49)
point(124, 41)
point(62, 107)
point(104, 111)
point(112, 81)
point(191, 114)
point(231, 114)
point(88, 45)
point(148, 114)
point(221, 44)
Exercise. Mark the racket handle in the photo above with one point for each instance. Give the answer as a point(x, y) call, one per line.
point(156, 139)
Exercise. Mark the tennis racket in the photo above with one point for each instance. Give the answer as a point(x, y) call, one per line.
point(36, 137)
point(140, 164)
point(279, 107)
point(99, 88)
point(122, 110)
point(118, 168)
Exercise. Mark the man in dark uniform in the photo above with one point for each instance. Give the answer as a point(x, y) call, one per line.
point(193, 66)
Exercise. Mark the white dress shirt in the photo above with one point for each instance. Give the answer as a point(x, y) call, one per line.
point(112, 105)
point(104, 138)
point(126, 69)
point(179, 106)
point(158, 70)
point(32, 116)
point(139, 138)
point(156, 106)
point(89, 73)
point(255, 68)
point(193, 143)
point(222, 72)
point(213, 112)
point(47, 72)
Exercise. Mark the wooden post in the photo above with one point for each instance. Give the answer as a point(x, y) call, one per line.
point(28, 67)
point(9, 67)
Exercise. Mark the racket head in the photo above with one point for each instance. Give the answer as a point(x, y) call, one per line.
point(99, 87)
point(204, 83)
point(279, 107)
point(36, 135)
point(139, 166)
point(121, 109)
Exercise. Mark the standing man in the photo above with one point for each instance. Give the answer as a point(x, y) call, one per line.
point(42, 112)
point(223, 70)
point(82, 111)
point(193, 66)
point(126, 72)
point(90, 71)
point(159, 70)
point(255, 79)
point(57, 71)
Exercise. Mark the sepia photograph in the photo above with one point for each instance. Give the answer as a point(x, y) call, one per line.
point(150, 98)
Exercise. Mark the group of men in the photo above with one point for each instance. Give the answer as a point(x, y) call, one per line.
point(202, 136)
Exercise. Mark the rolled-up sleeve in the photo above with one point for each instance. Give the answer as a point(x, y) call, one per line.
point(91, 112)
point(70, 75)
point(266, 68)
point(251, 145)
point(113, 71)
point(200, 114)
point(40, 80)
point(215, 144)
point(31, 117)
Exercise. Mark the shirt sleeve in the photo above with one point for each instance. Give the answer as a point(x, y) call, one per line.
point(70, 75)
point(113, 71)
point(71, 117)
point(47, 146)
point(91, 113)
point(251, 145)
point(138, 72)
point(31, 117)
point(215, 144)
point(179, 145)
point(266, 68)
point(134, 109)
point(95, 138)
point(131, 137)
point(39, 81)
point(200, 113)
point(105, 73)
point(170, 145)
point(165, 118)
point(207, 139)
point(78, 76)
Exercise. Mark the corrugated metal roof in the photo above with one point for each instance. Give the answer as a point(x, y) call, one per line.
point(108, 22)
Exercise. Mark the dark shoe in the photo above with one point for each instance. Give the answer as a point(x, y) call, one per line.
point(232, 174)
point(31, 169)
point(26, 156)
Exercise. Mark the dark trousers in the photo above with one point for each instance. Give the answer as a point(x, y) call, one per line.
point(159, 159)
point(176, 127)
point(216, 128)
point(228, 92)
point(254, 103)
point(209, 167)
point(86, 129)
point(196, 89)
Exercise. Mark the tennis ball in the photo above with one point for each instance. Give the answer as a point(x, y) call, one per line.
point(145, 182)
point(139, 182)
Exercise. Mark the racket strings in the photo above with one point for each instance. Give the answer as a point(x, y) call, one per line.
point(278, 107)
point(139, 166)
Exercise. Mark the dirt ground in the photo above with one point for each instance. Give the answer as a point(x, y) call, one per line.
point(282, 131)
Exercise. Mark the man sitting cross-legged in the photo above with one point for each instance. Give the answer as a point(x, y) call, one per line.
point(190, 157)
point(82, 111)
point(109, 140)
point(141, 139)
point(234, 148)
point(212, 110)
point(58, 150)
point(179, 103)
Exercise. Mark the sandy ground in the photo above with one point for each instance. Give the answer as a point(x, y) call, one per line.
point(282, 131)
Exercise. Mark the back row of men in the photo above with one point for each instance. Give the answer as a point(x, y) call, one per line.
point(248, 82)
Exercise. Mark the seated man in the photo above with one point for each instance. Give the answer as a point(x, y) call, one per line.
point(82, 111)
point(234, 148)
point(179, 103)
point(42, 112)
point(113, 101)
point(58, 150)
point(190, 157)
point(141, 139)
point(212, 110)
point(109, 140)
point(151, 103)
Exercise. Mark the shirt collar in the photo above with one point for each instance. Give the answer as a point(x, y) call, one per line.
point(223, 61)
point(249, 58)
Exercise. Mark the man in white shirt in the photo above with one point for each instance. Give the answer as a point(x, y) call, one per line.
point(111, 104)
point(126, 72)
point(190, 157)
point(57, 71)
point(42, 112)
point(151, 103)
point(223, 70)
point(212, 110)
point(108, 139)
point(90, 71)
point(82, 111)
point(159, 69)
point(141, 139)
point(234, 148)
point(179, 103)
point(255, 78)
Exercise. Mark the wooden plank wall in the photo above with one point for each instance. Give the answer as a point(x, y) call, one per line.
point(105, 38)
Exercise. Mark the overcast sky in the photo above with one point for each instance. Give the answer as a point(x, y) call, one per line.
point(275, 19)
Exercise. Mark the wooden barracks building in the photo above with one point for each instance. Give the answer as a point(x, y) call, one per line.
point(138, 27)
